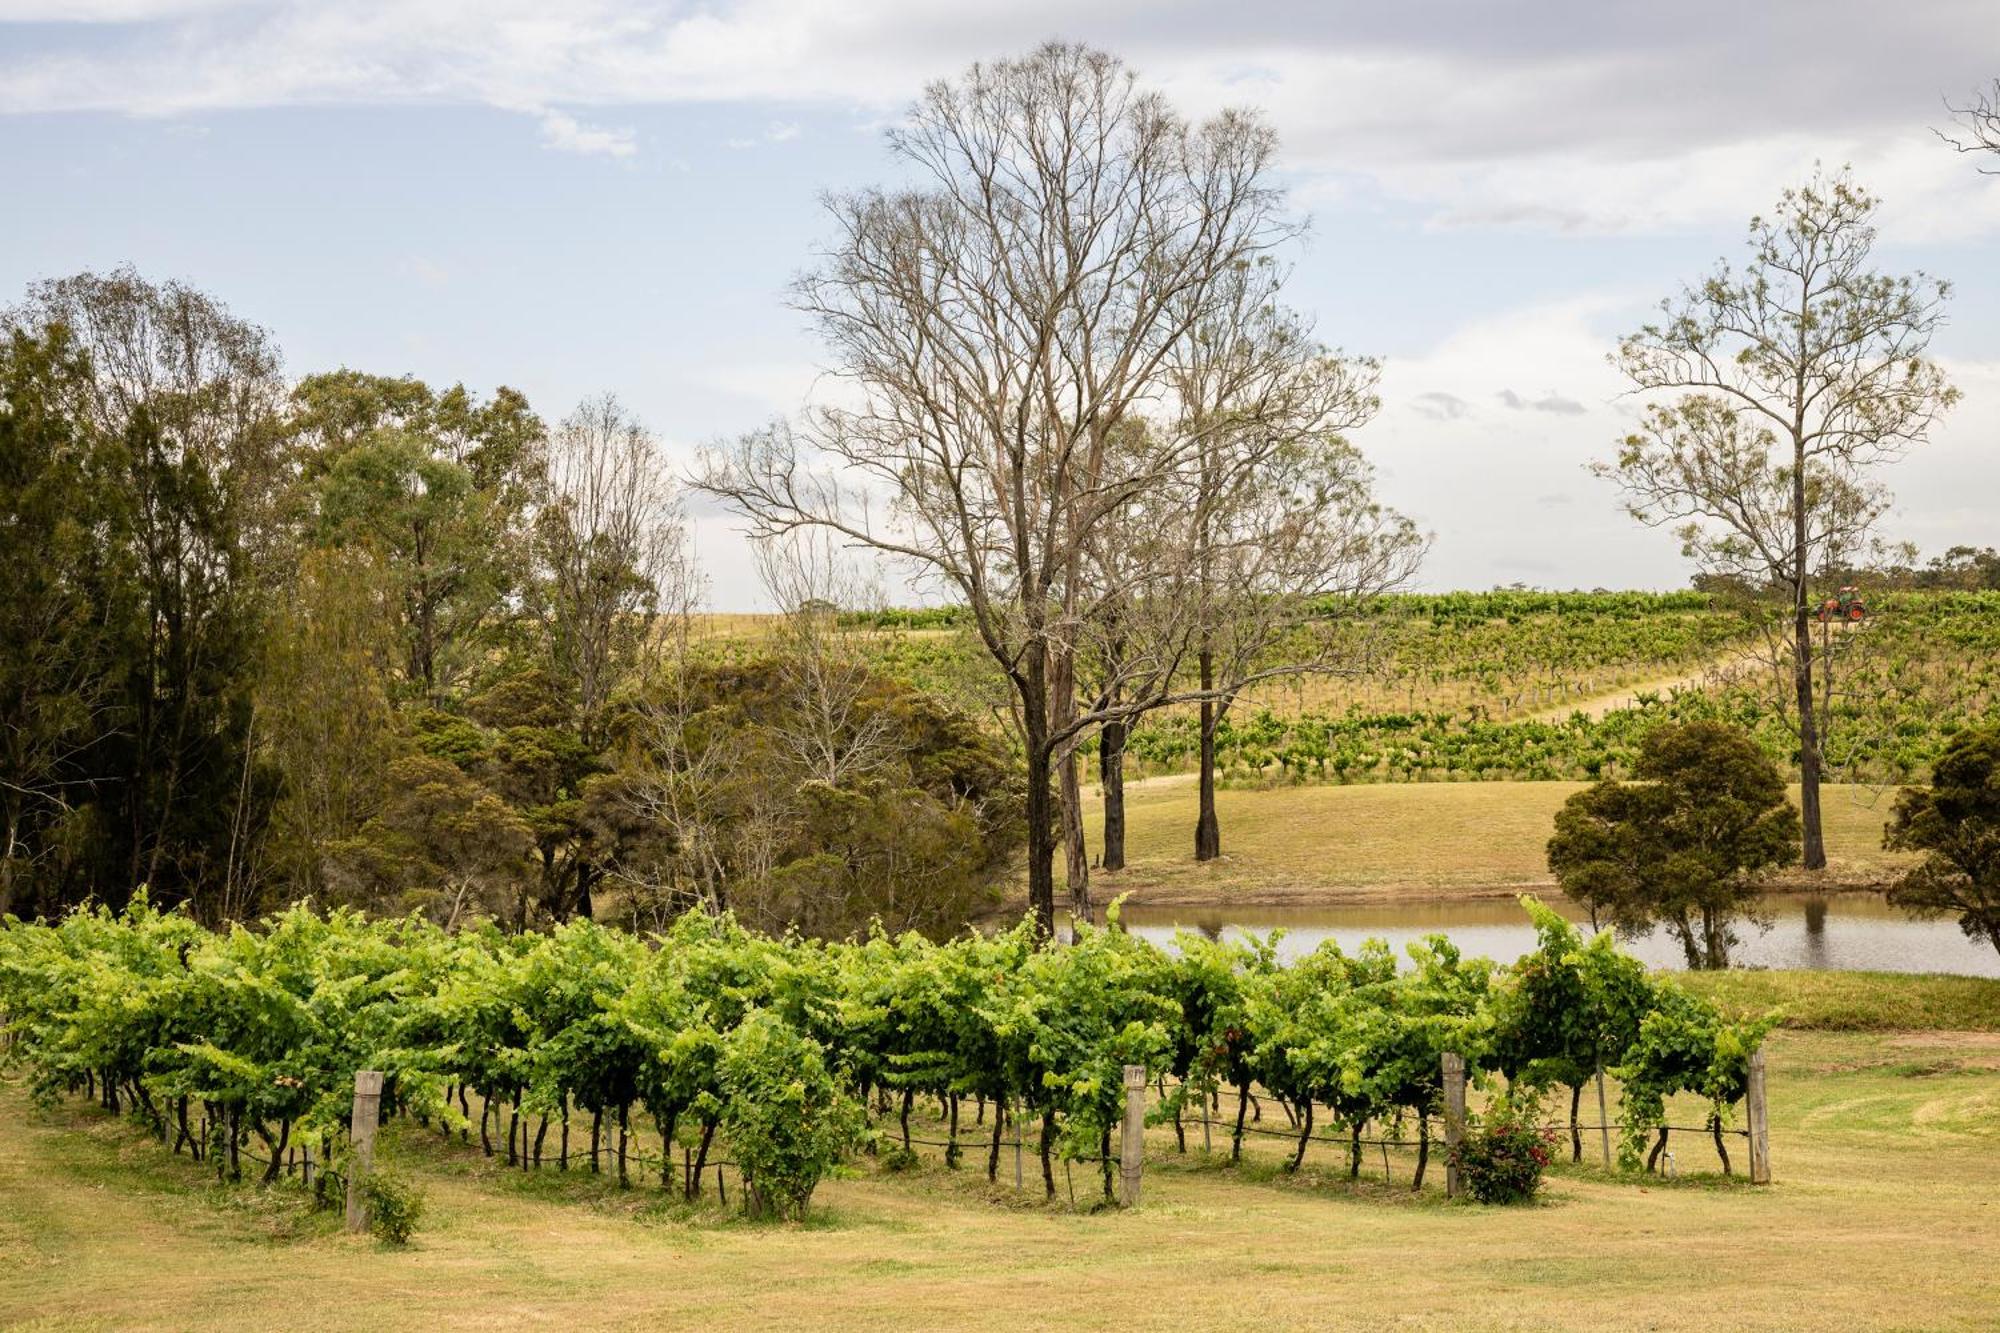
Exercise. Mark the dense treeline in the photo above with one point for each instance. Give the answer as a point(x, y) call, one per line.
point(397, 647)
point(725, 1038)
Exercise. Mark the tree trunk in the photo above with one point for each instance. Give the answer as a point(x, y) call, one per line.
point(1041, 813)
point(1714, 941)
point(700, 1159)
point(993, 1153)
point(1242, 1105)
point(277, 1162)
point(1048, 1143)
point(1207, 832)
point(1683, 930)
point(1715, 1129)
point(1305, 1137)
point(1423, 1149)
point(1111, 778)
point(1575, 1130)
point(1076, 856)
point(1809, 757)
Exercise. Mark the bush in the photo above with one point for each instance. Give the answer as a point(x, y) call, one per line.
point(785, 1116)
point(394, 1206)
point(1500, 1159)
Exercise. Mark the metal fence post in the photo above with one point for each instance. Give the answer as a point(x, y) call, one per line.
point(367, 1114)
point(1760, 1121)
point(1132, 1154)
point(1454, 1119)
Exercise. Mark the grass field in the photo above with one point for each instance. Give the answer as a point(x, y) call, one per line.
point(1343, 844)
point(1882, 1216)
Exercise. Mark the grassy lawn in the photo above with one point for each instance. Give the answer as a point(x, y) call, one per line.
point(1857, 1001)
point(1882, 1216)
point(1375, 841)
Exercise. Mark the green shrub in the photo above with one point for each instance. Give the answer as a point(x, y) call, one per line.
point(785, 1115)
point(1501, 1157)
point(395, 1206)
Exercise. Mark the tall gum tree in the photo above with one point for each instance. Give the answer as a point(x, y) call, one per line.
point(1792, 380)
point(995, 321)
point(1279, 519)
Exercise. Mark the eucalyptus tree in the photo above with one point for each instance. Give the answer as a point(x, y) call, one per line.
point(187, 400)
point(1778, 390)
point(609, 551)
point(59, 699)
point(994, 323)
point(435, 488)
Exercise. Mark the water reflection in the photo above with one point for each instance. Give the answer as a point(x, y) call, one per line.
point(1808, 931)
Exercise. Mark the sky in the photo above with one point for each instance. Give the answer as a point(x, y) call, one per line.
point(614, 194)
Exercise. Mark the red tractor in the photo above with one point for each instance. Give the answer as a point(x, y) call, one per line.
point(1846, 605)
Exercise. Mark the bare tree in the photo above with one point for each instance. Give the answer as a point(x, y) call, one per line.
point(1796, 377)
point(826, 732)
point(997, 323)
point(1978, 128)
point(610, 545)
point(609, 539)
point(674, 774)
point(1282, 525)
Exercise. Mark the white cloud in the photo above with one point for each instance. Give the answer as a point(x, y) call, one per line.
point(778, 131)
point(567, 134)
point(1569, 117)
point(1521, 504)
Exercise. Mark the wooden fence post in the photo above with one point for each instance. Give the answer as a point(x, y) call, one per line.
point(1013, 1114)
point(1454, 1119)
point(1760, 1121)
point(1132, 1147)
point(367, 1113)
point(1603, 1118)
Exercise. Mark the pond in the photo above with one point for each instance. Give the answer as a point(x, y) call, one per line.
point(1832, 932)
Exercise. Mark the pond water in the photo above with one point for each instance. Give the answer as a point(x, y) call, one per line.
point(1839, 931)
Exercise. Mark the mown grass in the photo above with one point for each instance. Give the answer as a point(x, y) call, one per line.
point(1374, 841)
point(1883, 1145)
point(1857, 1001)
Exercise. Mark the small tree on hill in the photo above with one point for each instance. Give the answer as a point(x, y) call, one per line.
point(1782, 388)
point(1956, 822)
point(1687, 846)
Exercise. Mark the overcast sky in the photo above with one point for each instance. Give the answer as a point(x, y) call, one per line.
point(612, 194)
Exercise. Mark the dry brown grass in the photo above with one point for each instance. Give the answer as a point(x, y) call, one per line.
point(1334, 844)
point(1883, 1146)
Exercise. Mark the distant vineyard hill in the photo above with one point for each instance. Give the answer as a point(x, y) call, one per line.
point(1516, 685)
